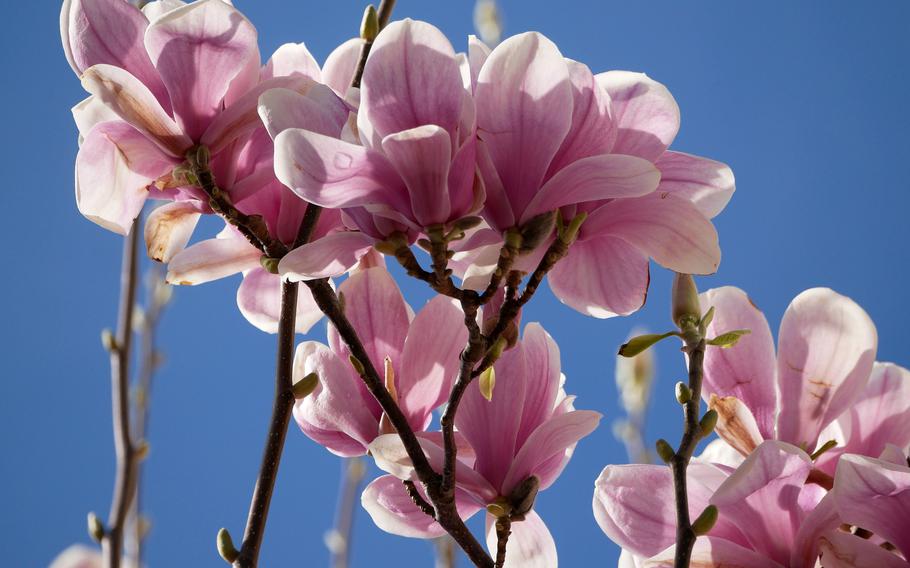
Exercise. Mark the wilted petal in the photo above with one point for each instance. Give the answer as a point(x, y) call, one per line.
point(735, 423)
point(712, 552)
point(667, 228)
point(524, 110)
point(644, 112)
point(114, 167)
point(259, 300)
point(319, 110)
point(530, 545)
point(199, 49)
point(422, 156)
point(212, 259)
point(602, 277)
point(706, 183)
point(292, 59)
point(826, 348)
point(748, 370)
point(168, 229)
point(607, 176)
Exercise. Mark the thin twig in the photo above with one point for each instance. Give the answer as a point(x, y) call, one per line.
point(341, 536)
point(503, 530)
point(445, 552)
point(418, 499)
point(124, 486)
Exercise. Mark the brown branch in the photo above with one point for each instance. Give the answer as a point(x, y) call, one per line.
point(503, 530)
point(418, 499)
point(119, 348)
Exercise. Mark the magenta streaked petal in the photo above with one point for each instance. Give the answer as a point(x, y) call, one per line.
point(843, 550)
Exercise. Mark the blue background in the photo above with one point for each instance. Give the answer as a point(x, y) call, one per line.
point(808, 101)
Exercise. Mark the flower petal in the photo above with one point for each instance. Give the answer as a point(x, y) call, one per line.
point(644, 112)
point(422, 156)
point(341, 64)
point(712, 552)
point(292, 59)
point(319, 110)
point(332, 255)
point(735, 423)
point(78, 556)
point(168, 229)
point(843, 550)
point(826, 348)
point(706, 183)
point(881, 414)
point(530, 544)
point(259, 300)
point(543, 373)
point(212, 259)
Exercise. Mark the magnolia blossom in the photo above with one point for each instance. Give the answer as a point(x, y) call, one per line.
point(522, 437)
point(823, 384)
point(769, 517)
point(417, 354)
point(78, 556)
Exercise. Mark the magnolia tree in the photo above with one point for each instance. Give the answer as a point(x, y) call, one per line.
point(482, 173)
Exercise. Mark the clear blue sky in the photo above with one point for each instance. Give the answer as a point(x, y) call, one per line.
point(808, 101)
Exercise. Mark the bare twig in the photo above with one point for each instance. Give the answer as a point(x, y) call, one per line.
point(503, 530)
point(339, 539)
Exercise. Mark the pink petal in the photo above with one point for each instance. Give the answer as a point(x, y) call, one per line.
point(115, 165)
point(411, 79)
point(712, 552)
point(156, 8)
point(826, 348)
point(524, 111)
point(335, 415)
point(842, 550)
point(422, 156)
point(477, 55)
point(719, 452)
point(341, 64)
point(318, 110)
point(706, 183)
point(259, 300)
point(747, 371)
point(212, 259)
point(78, 556)
point(292, 59)
point(735, 424)
point(332, 255)
point(530, 545)
point(761, 497)
point(602, 277)
point(199, 49)
point(392, 510)
point(168, 229)
point(606, 176)
point(335, 174)
point(644, 112)
point(430, 359)
point(875, 495)
point(132, 101)
point(543, 382)
point(667, 228)
point(109, 32)
point(881, 414)
point(821, 520)
point(91, 112)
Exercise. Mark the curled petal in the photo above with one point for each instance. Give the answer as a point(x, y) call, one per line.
point(706, 183)
point(735, 423)
point(212, 259)
point(881, 415)
point(168, 229)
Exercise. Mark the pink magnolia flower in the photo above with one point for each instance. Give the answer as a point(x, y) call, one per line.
point(822, 384)
point(418, 355)
point(408, 164)
point(528, 429)
point(78, 556)
point(554, 136)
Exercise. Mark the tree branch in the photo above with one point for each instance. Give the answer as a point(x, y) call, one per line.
point(340, 539)
point(503, 530)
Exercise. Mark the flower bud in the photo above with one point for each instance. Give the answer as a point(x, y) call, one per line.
point(665, 450)
point(686, 311)
point(537, 230)
point(523, 496)
point(683, 393)
point(358, 366)
point(305, 386)
point(226, 547)
point(269, 264)
point(705, 522)
point(369, 26)
point(95, 527)
point(107, 340)
point(707, 423)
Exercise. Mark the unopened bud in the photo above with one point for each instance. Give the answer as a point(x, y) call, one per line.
point(358, 366)
point(107, 340)
point(305, 386)
point(705, 522)
point(686, 311)
point(466, 223)
point(707, 423)
point(142, 450)
point(537, 230)
point(269, 264)
point(369, 26)
point(683, 393)
point(95, 527)
point(665, 450)
point(226, 547)
point(523, 496)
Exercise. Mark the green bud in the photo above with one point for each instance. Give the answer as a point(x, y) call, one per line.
point(305, 386)
point(513, 239)
point(686, 310)
point(824, 448)
point(536, 230)
point(226, 547)
point(487, 382)
point(369, 26)
point(705, 522)
point(707, 423)
point(728, 339)
point(108, 340)
point(641, 343)
point(269, 264)
point(95, 527)
point(665, 450)
point(466, 223)
point(358, 366)
point(706, 320)
point(498, 348)
point(683, 393)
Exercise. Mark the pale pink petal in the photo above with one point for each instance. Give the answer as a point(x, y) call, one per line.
point(881, 414)
point(392, 510)
point(331, 173)
point(335, 414)
point(332, 255)
point(156, 8)
point(875, 495)
point(90, 112)
point(78, 556)
point(602, 277)
point(667, 228)
point(292, 59)
point(606, 176)
point(826, 348)
point(422, 156)
point(821, 520)
point(259, 300)
point(341, 64)
point(761, 497)
point(543, 373)
point(466, 191)
point(319, 110)
point(644, 112)
point(497, 208)
point(114, 167)
point(169, 227)
point(530, 545)
point(893, 454)
point(706, 183)
point(430, 359)
point(713, 552)
point(524, 111)
point(842, 550)
point(735, 424)
point(719, 452)
point(199, 49)
point(411, 79)
point(477, 55)
point(132, 101)
point(746, 371)
point(212, 259)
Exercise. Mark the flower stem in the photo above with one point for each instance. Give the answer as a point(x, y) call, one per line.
point(503, 530)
